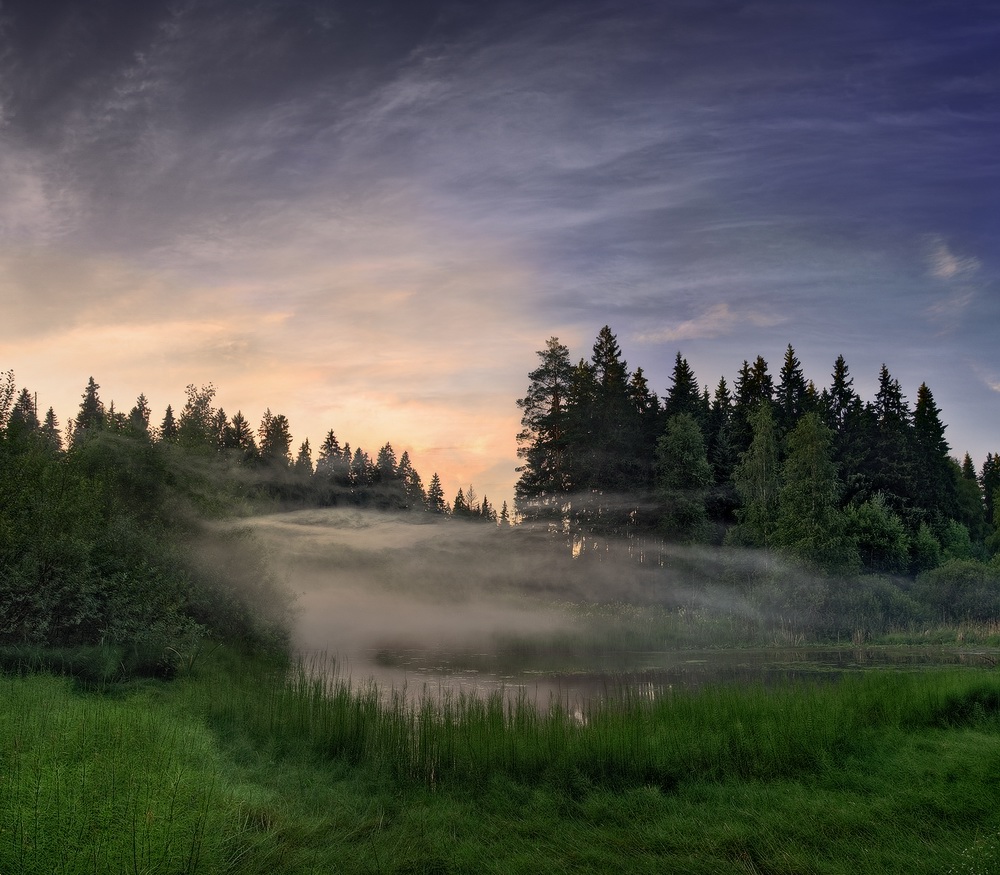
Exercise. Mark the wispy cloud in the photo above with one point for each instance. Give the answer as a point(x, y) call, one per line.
point(944, 264)
point(958, 276)
point(719, 320)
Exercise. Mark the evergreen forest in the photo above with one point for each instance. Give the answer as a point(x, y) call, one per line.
point(107, 536)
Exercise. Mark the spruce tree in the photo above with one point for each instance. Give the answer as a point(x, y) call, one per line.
point(889, 466)
point(937, 482)
point(487, 512)
point(22, 420)
point(275, 440)
point(791, 398)
point(722, 500)
point(989, 481)
point(220, 430)
point(435, 496)
point(138, 417)
point(646, 405)
point(413, 487)
point(92, 415)
point(543, 436)
point(615, 438)
point(240, 437)
point(753, 388)
point(49, 431)
point(168, 427)
point(684, 395)
point(386, 464)
point(303, 460)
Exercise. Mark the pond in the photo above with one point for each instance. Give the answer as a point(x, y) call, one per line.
point(649, 674)
point(442, 609)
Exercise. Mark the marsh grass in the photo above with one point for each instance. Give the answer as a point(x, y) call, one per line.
point(257, 766)
point(97, 784)
point(627, 738)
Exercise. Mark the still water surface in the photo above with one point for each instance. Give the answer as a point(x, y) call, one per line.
point(428, 672)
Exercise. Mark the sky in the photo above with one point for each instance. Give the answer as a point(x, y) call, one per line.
point(369, 216)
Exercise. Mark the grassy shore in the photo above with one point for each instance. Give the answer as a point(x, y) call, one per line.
point(241, 766)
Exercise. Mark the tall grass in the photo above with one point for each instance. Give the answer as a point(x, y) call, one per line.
point(249, 767)
point(652, 738)
point(91, 784)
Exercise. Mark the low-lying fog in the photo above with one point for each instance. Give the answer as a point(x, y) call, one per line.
point(391, 597)
point(443, 604)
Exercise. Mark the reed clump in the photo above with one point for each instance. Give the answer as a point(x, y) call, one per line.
point(626, 739)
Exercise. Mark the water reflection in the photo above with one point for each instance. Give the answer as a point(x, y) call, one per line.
point(646, 675)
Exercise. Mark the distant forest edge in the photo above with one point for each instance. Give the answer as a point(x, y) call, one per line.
point(106, 538)
point(819, 475)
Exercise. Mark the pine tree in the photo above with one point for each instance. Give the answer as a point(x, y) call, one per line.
point(386, 464)
point(648, 413)
point(683, 396)
point(460, 507)
point(330, 460)
point(92, 416)
point(49, 431)
point(275, 440)
point(486, 512)
point(853, 430)
point(615, 438)
point(889, 466)
point(718, 434)
point(303, 461)
point(361, 470)
point(240, 437)
point(413, 487)
point(753, 388)
point(971, 511)
point(937, 482)
point(23, 418)
point(792, 393)
point(722, 500)
point(843, 400)
point(504, 521)
point(435, 496)
point(220, 430)
point(168, 428)
point(138, 417)
point(989, 481)
point(543, 436)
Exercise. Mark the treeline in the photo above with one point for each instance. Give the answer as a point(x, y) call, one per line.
point(260, 460)
point(819, 474)
point(104, 533)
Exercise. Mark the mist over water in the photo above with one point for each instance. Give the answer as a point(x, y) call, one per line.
point(394, 598)
point(437, 605)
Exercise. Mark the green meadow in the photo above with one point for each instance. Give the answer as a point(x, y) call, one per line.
point(246, 764)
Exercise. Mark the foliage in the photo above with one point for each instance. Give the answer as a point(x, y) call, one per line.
point(961, 589)
point(879, 535)
point(758, 483)
point(683, 477)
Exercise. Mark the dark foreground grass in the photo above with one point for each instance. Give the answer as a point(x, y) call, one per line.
point(241, 769)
